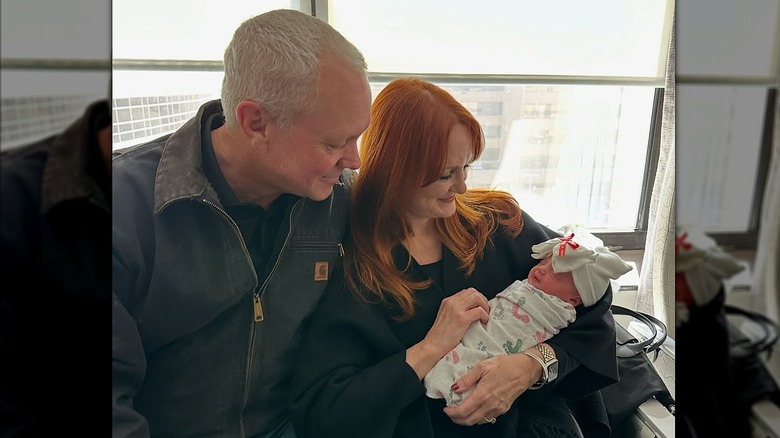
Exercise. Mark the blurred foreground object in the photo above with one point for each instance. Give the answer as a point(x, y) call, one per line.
point(56, 268)
point(723, 376)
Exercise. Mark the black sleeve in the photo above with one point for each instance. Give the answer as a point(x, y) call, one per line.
point(351, 376)
point(131, 239)
point(589, 342)
point(128, 369)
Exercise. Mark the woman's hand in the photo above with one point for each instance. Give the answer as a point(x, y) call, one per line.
point(456, 314)
point(499, 381)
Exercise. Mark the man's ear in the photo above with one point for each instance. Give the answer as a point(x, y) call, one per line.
point(253, 119)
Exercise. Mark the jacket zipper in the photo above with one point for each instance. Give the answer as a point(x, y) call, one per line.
point(258, 309)
point(259, 316)
point(252, 334)
point(238, 232)
point(258, 306)
point(257, 302)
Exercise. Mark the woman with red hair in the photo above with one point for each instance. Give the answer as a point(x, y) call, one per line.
point(423, 257)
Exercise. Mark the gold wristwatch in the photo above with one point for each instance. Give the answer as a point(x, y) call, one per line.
point(548, 362)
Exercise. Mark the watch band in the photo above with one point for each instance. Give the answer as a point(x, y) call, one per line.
point(539, 383)
point(547, 353)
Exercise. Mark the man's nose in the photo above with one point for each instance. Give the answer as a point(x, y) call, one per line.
point(351, 158)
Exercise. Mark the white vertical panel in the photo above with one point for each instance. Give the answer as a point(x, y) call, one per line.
point(62, 29)
point(732, 38)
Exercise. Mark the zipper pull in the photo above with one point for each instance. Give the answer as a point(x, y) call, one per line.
point(258, 309)
point(341, 250)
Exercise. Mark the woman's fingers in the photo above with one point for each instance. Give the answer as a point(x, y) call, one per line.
point(456, 313)
point(477, 313)
point(471, 308)
point(497, 383)
point(474, 299)
point(471, 297)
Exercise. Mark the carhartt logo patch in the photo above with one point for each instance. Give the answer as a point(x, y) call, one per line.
point(320, 271)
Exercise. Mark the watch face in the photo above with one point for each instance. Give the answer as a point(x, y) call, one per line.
point(552, 371)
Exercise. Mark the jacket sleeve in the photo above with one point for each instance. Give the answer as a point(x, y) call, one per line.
point(128, 368)
point(590, 342)
point(129, 244)
point(351, 377)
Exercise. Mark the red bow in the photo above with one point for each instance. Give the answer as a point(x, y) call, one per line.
point(681, 242)
point(564, 241)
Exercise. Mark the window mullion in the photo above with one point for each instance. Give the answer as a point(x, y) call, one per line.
point(651, 163)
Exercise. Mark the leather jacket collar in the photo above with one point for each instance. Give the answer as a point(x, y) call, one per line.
point(65, 176)
point(180, 173)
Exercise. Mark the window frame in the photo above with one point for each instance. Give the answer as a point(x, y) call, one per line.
point(56, 66)
point(627, 239)
point(747, 240)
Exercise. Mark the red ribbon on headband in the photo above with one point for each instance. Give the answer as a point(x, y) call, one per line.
point(681, 242)
point(564, 241)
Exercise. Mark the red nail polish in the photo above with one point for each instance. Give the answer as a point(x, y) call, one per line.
point(454, 387)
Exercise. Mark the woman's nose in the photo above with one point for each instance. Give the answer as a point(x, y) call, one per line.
point(460, 184)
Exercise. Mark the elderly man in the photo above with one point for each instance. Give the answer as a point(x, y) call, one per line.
point(226, 231)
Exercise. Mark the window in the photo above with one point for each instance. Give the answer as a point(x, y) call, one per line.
point(726, 87)
point(50, 73)
point(492, 131)
point(574, 98)
point(586, 162)
point(570, 38)
point(566, 103)
point(489, 108)
point(164, 68)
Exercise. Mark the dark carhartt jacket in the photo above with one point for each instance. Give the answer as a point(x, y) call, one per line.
point(190, 357)
point(55, 229)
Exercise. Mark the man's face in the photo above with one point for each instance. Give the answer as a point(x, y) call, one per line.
point(310, 155)
point(559, 284)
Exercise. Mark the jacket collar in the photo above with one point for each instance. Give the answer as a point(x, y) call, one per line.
point(65, 176)
point(180, 172)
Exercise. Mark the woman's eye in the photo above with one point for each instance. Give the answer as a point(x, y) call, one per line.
point(452, 172)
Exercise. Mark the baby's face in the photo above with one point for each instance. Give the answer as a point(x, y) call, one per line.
point(559, 284)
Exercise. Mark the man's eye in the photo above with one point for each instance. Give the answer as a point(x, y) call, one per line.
point(333, 146)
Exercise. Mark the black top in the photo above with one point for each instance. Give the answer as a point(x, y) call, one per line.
point(352, 378)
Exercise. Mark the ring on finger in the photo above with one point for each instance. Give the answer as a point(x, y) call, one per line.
point(491, 420)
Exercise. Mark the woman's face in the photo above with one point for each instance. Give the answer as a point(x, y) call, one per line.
point(437, 200)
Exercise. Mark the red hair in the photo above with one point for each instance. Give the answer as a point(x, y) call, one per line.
point(403, 150)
